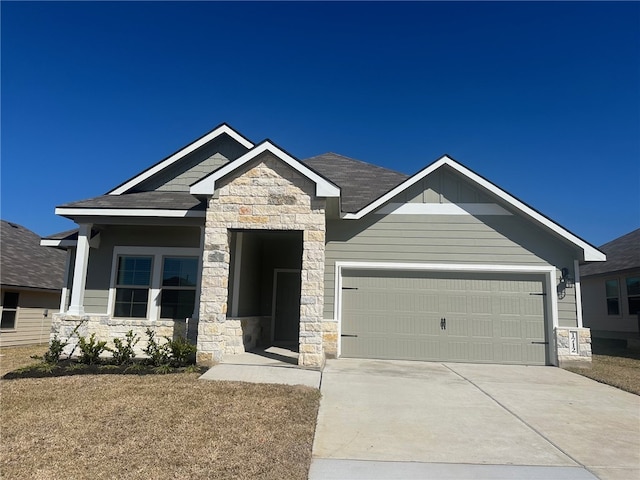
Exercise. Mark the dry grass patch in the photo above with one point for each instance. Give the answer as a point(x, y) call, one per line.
point(12, 358)
point(154, 426)
point(613, 365)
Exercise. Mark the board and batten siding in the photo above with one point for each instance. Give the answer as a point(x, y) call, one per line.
point(468, 239)
point(32, 326)
point(100, 259)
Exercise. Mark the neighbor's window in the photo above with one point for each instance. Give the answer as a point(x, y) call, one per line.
point(132, 286)
point(633, 295)
point(179, 276)
point(9, 310)
point(613, 297)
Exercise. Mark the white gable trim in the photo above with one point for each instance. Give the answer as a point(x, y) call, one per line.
point(181, 154)
point(590, 253)
point(127, 212)
point(58, 243)
point(442, 209)
point(207, 185)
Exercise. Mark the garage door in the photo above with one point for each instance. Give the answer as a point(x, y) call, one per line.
point(455, 317)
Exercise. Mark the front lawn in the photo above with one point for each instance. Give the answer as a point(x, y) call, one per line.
point(151, 426)
point(614, 365)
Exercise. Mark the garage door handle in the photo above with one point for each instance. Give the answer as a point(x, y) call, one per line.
point(348, 335)
point(443, 324)
point(540, 343)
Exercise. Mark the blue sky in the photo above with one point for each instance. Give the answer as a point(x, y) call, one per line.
point(541, 98)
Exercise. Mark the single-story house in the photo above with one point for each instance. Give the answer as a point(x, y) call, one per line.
point(611, 290)
point(240, 244)
point(31, 282)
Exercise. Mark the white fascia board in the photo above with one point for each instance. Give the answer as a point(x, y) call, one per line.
point(207, 186)
point(591, 254)
point(127, 212)
point(180, 154)
point(58, 243)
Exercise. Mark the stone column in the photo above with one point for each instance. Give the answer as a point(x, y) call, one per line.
point(573, 346)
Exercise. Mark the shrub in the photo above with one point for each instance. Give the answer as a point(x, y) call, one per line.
point(56, 346)
point(124, 350)
point(158, 354)
point(182, 352)
point(91, 349)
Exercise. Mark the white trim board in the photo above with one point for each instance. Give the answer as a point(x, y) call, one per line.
point(549, 273)
point(128, 212)
point(442, 209)
point(47, 242)
point(590, 253)
point(207, 185)
point(222, 129)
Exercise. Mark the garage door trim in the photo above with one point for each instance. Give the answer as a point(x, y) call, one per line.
point(549, 273)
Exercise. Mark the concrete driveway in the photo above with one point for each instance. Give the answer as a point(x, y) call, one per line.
point(394, 419)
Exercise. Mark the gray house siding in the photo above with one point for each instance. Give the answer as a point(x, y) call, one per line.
point(503, 240)
point(194, 166)
point(101, 259)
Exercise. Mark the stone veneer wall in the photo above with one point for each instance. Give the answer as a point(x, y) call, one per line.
point(268, 195)
point(107, 328)
point(563, 347)
point(330, 338)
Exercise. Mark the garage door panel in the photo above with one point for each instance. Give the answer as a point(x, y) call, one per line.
point(489, 318)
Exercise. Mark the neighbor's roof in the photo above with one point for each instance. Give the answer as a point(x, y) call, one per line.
point(623, 253)
point(25, 263)
point(360, 182)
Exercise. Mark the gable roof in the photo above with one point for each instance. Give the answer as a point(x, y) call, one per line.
point(222, 129)
point(623, 253)
point(207, 185)
point(590, 253)
point(24, 263)
point(360, 182)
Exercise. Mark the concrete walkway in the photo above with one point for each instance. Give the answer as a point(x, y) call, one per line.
point(392, 419)
point(273, 365)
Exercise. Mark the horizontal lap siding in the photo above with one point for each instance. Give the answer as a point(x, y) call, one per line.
point(31, 325)
point(503, 240)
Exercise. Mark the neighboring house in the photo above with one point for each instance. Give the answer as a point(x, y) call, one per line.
point(241, 244)
point(31, 277)
point(611, 290)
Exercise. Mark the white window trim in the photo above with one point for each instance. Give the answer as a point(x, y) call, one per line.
point(153, 305)
point(549, 273)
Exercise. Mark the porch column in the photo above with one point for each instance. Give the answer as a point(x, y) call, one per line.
point(76, 306)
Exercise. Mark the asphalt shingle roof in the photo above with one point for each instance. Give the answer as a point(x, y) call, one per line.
point(140, 200)
point(623, 253)
point(360, 182)
point(25, 263)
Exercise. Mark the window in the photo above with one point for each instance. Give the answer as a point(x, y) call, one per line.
point(133, 281)
point(179, 277)
point(633, 295)
point(613, 297)
point(9, 310)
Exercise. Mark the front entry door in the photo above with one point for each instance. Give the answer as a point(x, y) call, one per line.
point(286, 306)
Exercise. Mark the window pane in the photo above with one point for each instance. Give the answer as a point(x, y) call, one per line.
point(134, 271)
point(180, 272)
point(633, 286)
point(8, 319)
point(634, 305)
point(131, 302)
point(613, 306)
point(10, 300)
point(612, 288)
point(177, 303)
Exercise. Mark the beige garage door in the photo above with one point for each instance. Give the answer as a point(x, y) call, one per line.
point(454, 317)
